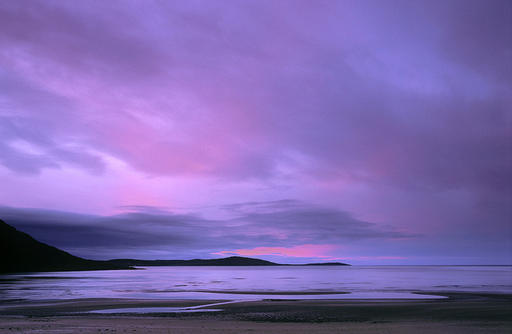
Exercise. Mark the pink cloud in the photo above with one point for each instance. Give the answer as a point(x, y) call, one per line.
point(365, 258)
point(307, 250)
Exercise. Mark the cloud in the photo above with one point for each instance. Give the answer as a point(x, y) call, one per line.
point(304, 251)
point(301, 230)
point(176, 89)
point(281, 230)
point(303, 222)
point(37, 132)
point(333, 102)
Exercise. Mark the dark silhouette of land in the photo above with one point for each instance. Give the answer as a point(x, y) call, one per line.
point(327, 264)
point(19, 252)
point(227, 261)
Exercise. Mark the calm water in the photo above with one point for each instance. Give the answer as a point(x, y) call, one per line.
point(257, 282)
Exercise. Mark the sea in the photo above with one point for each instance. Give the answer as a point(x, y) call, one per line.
point(256, 283)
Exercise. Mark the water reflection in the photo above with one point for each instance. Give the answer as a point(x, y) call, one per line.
point(265, 282)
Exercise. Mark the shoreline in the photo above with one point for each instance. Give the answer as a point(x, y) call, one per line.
point(457, 313)
point(58, 307)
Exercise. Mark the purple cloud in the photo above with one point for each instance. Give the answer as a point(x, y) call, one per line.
point(397, 112)
point(146, 231)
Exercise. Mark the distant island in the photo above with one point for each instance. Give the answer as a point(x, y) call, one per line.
point(327, 264)
point(227, 261)
point(19, 252)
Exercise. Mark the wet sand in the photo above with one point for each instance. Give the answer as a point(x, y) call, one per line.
point(459, 313)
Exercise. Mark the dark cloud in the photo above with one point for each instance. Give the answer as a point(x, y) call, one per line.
point(285, 223)
point(284, 204)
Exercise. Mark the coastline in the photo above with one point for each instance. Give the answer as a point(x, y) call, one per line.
point(458, 313)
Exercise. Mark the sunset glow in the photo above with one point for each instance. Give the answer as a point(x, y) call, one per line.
point(286, 130)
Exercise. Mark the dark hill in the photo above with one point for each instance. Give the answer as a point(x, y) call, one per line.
point(228, 261)
point(19, 252)
point(327, 264)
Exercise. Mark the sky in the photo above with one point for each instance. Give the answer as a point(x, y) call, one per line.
point(366, 132)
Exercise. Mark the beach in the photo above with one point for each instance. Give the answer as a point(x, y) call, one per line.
point(255, 166)
point(457, 313)
point(203, 326)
